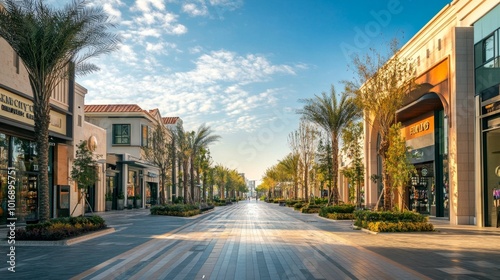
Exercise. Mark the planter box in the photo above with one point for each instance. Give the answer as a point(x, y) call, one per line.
point(119, 205)
point(109, 205)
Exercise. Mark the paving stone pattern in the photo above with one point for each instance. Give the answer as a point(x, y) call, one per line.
point(257, 240)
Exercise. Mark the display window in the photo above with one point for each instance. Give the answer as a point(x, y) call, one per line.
point(18, 168)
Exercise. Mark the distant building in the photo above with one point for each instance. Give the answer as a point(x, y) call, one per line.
point(128, 174)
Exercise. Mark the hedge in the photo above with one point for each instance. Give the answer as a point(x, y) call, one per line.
point(400, 226)
point(179, 210)
point(387, 221)
point(61, 228)
point(344, 208)
point(339, 216)
point(309, 209)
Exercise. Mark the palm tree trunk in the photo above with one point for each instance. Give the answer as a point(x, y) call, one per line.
point(42, 121)
point(184, 180)
point(335, 168)
point(192, 177)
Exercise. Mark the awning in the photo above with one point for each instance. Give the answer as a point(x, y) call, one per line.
point(426, 103)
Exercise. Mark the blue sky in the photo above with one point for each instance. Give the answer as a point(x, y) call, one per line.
point(241, 66)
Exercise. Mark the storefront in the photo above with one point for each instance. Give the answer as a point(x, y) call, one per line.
point(19, 157)
point(487, 90)
point(425, 131)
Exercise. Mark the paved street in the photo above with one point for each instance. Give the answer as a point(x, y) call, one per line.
point(257, 240)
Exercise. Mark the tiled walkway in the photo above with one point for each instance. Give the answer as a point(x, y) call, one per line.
point(250, 240)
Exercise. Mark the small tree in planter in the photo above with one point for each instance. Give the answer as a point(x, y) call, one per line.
point(120, 201)
point(109, 201)
point(84, 172)
point(138, 201)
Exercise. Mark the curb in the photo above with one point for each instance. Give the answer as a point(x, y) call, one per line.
point(67, 242)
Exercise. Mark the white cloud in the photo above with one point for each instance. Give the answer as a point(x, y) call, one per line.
point(195, 10)
point(146, 5)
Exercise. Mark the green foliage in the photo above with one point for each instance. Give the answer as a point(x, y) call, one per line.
point(398, 162)
point(298, 205)
point(340, 216)
point(399, 226)
point(180, 210)
point(344, 208)
point(388, 221)
point(291, 202)
point(60, 228)
point(353, 147)
point(311, 208)
point(84, 171)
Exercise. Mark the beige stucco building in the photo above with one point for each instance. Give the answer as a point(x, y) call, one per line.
point(442, 119)
point(17, 142)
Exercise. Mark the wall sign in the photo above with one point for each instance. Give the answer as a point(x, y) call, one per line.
point(418, 128)
point(18, 108)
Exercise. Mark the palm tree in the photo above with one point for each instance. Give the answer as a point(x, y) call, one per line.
point(198, 141)
point(182, 140)
point(332, 115)
point(53, 45)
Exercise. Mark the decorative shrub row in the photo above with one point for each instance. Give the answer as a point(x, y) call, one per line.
point(179, 210)
point(309, 209)
point(298, 205)
point(392, 221)
point(399, 226)
point(344, 208)
point(291, 203)
point(60, 228)
point(366, 216)
point(339, 216)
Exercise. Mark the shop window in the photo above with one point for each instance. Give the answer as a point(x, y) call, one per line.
point(121, 134)
point(489, 48)
point(144, 135)
point(4, 151)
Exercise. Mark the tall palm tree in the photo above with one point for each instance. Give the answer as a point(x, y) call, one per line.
point(182, 140)
point(332, 115)
point(53, 45)
point(200, 139)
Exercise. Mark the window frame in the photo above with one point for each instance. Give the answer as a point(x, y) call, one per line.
point(144, 138)
point(122, 136)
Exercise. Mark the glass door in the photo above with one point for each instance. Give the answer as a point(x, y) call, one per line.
point(492, 177)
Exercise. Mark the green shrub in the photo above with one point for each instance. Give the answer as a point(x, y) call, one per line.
point(298, 205)
point(399, 226)
point(179, 210)
point(309, 209)
point(344, 208)
point(339, 216)
point(291, 202)
point(387, 221)
point(60, 228)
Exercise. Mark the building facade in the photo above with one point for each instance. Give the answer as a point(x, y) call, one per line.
point(17, 142)
point(441, 118)
point(131, 181)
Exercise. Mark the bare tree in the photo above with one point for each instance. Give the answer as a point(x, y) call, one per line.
point(303, 143)
point(158, 152)
point(379, 89)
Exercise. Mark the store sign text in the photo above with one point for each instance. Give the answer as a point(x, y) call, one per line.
point(21, 109)
point(16, 107)
point(420, 127)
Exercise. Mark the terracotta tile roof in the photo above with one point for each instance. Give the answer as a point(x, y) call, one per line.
point(112, 108)
point(170, 120)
